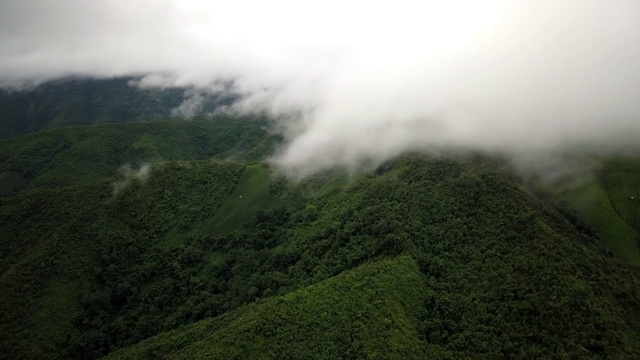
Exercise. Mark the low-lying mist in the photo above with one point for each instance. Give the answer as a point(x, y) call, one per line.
point(354, 83)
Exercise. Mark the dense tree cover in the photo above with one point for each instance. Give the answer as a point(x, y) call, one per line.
point(74, 155)
point(100, 247)
point(367, 312)
point(426, 256)
point(89, 101)
point(205, 253)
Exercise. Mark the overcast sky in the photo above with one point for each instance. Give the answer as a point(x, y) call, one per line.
point(354, 81)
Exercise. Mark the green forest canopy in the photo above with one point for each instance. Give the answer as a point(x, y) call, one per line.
point(215, 254)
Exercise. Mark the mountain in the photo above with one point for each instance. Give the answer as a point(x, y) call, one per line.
point(175, 239)
point(81, 101)
point(74, 155)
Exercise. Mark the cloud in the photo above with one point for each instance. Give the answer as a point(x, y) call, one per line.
point(356, 81)
point(196, 99)
point(128, 175)
point(192, 105)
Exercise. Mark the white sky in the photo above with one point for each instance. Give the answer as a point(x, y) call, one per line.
point(356, 81)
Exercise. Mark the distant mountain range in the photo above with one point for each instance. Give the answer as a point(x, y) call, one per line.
point(91, 101)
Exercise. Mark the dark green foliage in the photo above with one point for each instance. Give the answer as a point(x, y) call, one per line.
point(111, 248)
point(241, 207)
point(506, 274)
point(10, 182)
point(68, 156)
point(426, 257)
point(368, 312)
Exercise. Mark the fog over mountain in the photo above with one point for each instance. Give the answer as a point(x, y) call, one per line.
point(361, 81)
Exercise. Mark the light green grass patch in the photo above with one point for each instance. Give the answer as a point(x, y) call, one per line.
point(335, 184)
point(590, 201)
point(239, 210)
point(623, 193)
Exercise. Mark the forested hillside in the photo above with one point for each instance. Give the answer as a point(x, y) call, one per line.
point(436, 257)
point(427, 256)
point(73, 155)
point(175, 239)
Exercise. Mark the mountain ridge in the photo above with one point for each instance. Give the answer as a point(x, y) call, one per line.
point(201, 249)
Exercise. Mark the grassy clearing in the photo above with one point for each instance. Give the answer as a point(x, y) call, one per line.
point(603, 200)
point(592, 204)
point(622, 182)
point(238, 211)
point(324, 184)
point(335, 184)
point(623, 193)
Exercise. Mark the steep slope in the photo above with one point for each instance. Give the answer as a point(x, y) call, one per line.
point(368, 312)
point(241, 207)
point(501, 272)
point(505, 275)
point(605, 194)
point(170, 238)
point(70, 256)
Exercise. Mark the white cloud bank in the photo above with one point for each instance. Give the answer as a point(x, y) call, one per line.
point(358, 81)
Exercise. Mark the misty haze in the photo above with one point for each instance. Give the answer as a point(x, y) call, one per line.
point(354, 82)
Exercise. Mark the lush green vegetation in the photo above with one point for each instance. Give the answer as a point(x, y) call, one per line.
point(172, 239)
point(436, 257)
point(74, 155)
point(241, 207)
point(606, 196)
point(368, 312)
point(83, 250)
